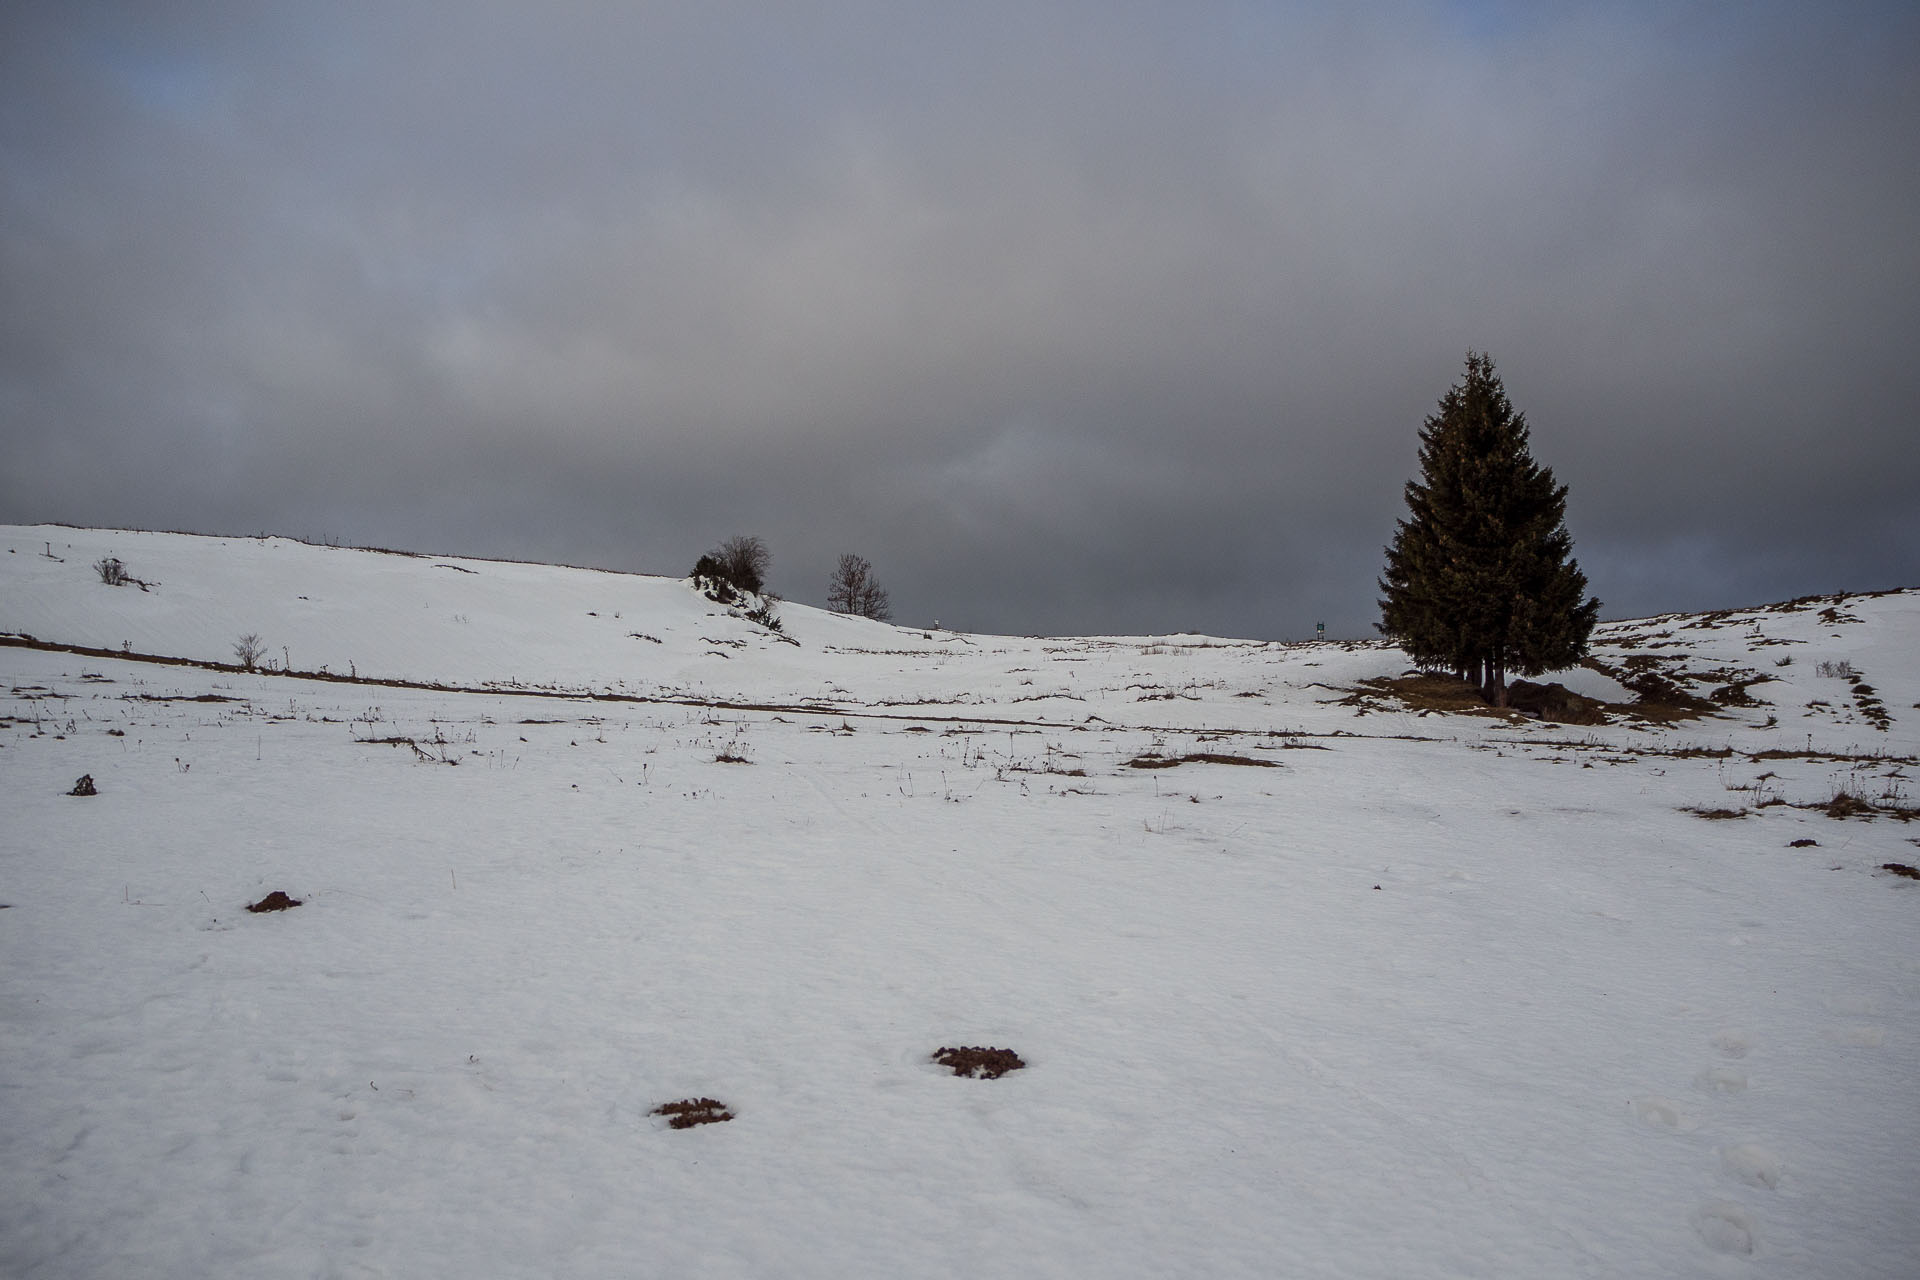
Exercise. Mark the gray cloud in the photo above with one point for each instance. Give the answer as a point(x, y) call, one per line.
point(1068, 317)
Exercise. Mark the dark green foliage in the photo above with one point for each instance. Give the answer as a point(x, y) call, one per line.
point(735, 566)
point(1480, 578)
point(711, 575)
point(764, 614)
point(734, 573)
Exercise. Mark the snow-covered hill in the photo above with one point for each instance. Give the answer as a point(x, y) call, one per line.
point(382, 616)
point(1311, 978)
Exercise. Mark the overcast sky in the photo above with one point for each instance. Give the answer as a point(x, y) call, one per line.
point(1070, 317)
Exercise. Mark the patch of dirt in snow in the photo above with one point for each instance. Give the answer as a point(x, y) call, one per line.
point(985, 1064)
point(1151, 761)
point(688, 1112)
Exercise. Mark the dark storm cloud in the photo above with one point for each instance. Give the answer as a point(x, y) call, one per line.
point(1101, 317)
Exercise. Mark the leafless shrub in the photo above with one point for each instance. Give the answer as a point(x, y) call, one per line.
point(247, 650)
point(111, 571)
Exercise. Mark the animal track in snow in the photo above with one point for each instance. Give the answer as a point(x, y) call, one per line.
point(1724, 1226)
point(1732, 1043)
point(1863, 1035)
point(1662, 1113)
point(1722, 1080)
point(1752, 1164)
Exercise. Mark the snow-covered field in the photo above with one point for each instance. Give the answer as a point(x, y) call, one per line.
point(1371, 993)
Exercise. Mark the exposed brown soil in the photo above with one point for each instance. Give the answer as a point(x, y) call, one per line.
point(275, 901)
point(688, 1112)
point(974, 1062)
point(182, 697)
point(1425, 693)
point(1197, 757)
point(1718, 815)
point(1656, 697)
point(1900, 869)
point(1803, 844)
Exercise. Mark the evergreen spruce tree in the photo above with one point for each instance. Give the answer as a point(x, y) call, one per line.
point(1479, 576)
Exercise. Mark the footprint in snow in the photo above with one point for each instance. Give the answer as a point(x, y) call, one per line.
point(1721, 1080)
point(1724, 1227)
point(1732, 1043)
point(1662, 1113)
point(1752, 1164)
point(1862, 1035)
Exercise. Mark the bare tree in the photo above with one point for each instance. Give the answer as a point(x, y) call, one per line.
point(747, 560)
point(853, 589)
point(740, 562)
point(248, 649)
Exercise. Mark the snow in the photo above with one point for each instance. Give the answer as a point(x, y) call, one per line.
point(1575, 1030)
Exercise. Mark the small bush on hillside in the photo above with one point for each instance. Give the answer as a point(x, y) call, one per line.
point(764, 614)
point(113, 572)
point(737, 565)
point(710, 576)
point(247, 650)
point(735, 572)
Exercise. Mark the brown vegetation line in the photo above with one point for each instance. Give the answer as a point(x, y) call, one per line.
point(17, 641)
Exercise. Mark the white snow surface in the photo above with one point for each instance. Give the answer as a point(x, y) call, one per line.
point(1426, 996)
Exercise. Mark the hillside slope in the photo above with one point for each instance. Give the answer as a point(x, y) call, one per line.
point(1308, 977)
point(503, 625)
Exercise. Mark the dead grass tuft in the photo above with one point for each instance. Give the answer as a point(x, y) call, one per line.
point(1845, 804)
point(1426, 692)
point(1657, 698)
